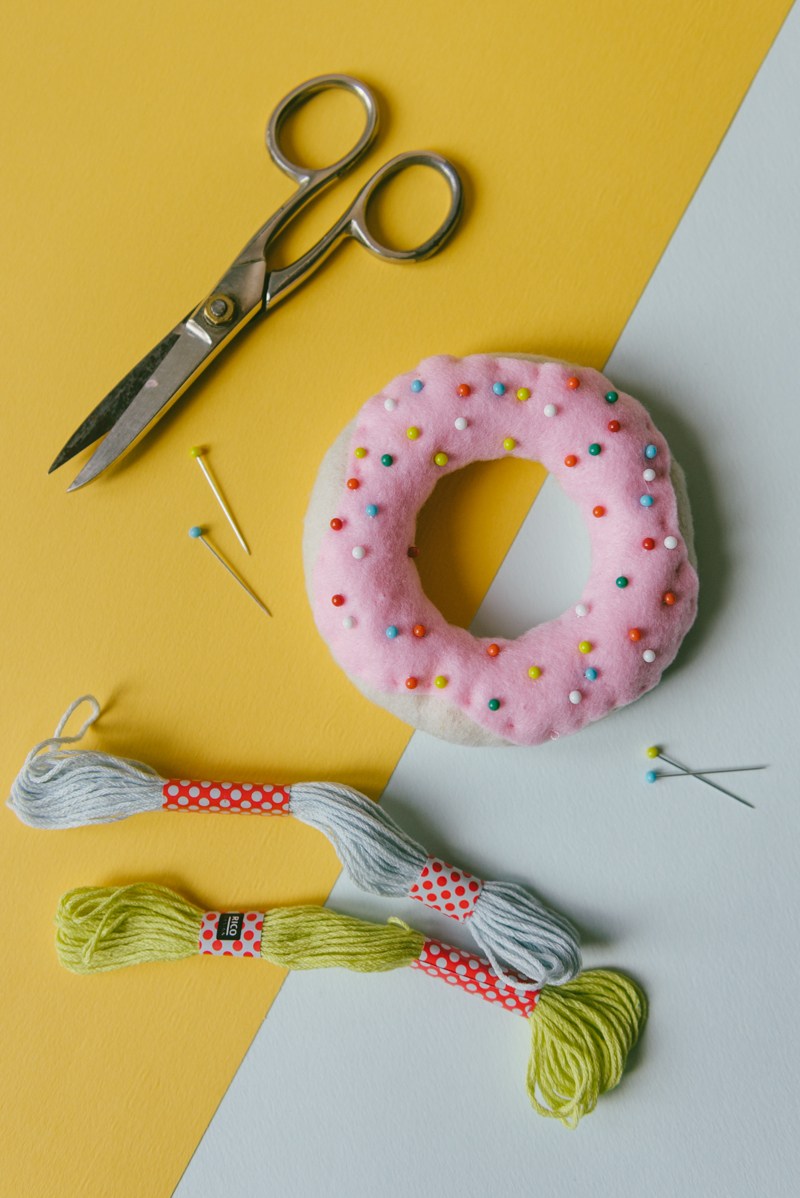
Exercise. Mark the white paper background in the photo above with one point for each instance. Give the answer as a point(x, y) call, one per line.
point(393, 1084)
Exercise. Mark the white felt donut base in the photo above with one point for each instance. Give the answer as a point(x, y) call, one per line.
point(427, 712)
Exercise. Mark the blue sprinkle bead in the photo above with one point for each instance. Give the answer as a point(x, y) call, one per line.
point(650, 451)
point(646, 501)
point(499, 388)
point(650, 776)
point(371, 509)
point(591, 674)
point(417, 385)
point(392, 631)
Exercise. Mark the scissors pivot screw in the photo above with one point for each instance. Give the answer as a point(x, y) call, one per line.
point(218, 309)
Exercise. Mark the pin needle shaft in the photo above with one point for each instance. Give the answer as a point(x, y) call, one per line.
point(197, 534)
point(197, 454)
point(671, 761)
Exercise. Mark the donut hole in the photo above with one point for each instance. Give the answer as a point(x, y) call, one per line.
point(405, 210)
point(483, 506)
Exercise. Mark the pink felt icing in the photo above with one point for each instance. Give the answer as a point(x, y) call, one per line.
point(381, 588)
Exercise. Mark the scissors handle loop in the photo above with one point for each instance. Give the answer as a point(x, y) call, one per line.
point(309, 178)
point(358, 215)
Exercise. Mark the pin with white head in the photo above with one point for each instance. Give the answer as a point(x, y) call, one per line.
point(685, 772)
point(197, 533)
point(198, 453)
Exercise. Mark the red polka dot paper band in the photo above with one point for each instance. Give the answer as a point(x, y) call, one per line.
point(473, 974)
point(451, 891)
point(230, 934)
point(232, 797)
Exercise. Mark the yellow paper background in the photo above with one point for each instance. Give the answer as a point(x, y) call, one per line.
point(133, 170)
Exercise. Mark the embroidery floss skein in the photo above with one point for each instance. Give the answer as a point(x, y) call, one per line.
point(63, 788)
point(581, 1032)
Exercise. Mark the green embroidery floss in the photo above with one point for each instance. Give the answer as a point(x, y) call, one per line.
point(581, 1031)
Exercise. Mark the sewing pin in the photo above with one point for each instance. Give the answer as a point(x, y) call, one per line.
point(198, 453)
point(197, 534)
point(685, 772)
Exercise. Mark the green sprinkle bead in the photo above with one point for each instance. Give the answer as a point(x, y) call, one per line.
point(622, 581)
point(594, 449)
point(386, 459)
point(611, 397)
point(493, 704)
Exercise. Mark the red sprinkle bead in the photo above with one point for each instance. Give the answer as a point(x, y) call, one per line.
point(419, 630)
point(648, 543)
point(614, 426)
point(573, 383)
point(463, 389)
point(336, 524)
point(353, 484)
point(634, 634)
point(411, 683)
point(598, 511)
point(337, 600)
point(493, 650)
point(413, 551)
point(669, 598)
point(570, 460)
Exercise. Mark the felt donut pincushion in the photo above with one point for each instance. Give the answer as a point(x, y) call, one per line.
point(637, 605)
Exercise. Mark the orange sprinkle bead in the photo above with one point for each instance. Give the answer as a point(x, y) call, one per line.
point(614, 426)
point(573, 383)
point(353, 484)
point(419, 630)
point(634, 634)
point(463, 389)
point(669, 598)
point(570, 460)
point(493, 650)
point(411, 683)
point(598, 511)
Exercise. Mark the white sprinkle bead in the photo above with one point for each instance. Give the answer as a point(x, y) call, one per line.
point(550, 409)
point(581, 609)
point(575, 697)
point(670, 542)
point(348, 622)
point(358, 552)
point(648, 475)
point(649, 655)
point(461, 423)
point(390, 404)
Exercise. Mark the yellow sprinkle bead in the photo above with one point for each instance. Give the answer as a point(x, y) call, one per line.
point(522, 394)
point(360, 452)
point(509, 443)
point(585, 647)
point(534, 672)
point(440, 681)
point(412, 433)
point(441, 459)
point(652, 751)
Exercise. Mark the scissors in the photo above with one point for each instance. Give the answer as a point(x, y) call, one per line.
point(249, 286)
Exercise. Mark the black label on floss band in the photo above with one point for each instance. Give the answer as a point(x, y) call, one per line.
point(230, 925)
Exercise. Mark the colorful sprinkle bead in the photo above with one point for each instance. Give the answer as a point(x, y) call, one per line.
point(390, 404)
point(348, 622)
point(573, 383)
point(353, 484)
point(392, 631)
point(648, 475)
point(499, 388)
point(412, 433)
point(611, 397)
point(622, 581)
point(649, 655)
point(493, 650)
point(549, 409)
point(440, 681)
point(648, 543)
point(634, 634)
point(419, 630)
point(463, 390)
point(650, 451)
point(646, 500)
point(493, 704)
point(523, 394)
point(411, 683)
point(575, 697)
point(359, 552)
point(386, 459)
point(594, 449)
point(614, 426)
point(591, 674)
point(441, 459)
point(670, 542)
point(417, 386)
point(509, 443)
point(581, 609)
point(598, 511)
point(460, 423)
point(585, 647)
point(337, 600)
point(570, 460)
point(337, 524)
point(371, 509)
point(670, 598)
point(360, 452)
point(413, 551)
point(534, 672)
